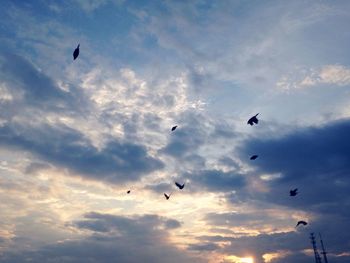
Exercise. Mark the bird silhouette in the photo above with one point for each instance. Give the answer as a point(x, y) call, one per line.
point(167, 196)
point(174, 128)
point(254, 157)
point(76, 52)
point(253, 120)
point(128, 192)
point(293, 192)
point(301, 223)
point(180, 186)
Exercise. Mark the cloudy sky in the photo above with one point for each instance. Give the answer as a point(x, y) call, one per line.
point(76, 135)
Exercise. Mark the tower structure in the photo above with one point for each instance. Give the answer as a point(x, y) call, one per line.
point(324, 253)
point(313, 242)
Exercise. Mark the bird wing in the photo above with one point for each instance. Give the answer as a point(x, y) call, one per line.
point(293, 192)
point(177, 184)
point(76, 53)
point(301, 223)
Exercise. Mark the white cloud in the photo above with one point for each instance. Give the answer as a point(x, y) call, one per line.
point(140, 100)
point(5, 95)
point(335, 74)
point(270, 257)
point(329, 74)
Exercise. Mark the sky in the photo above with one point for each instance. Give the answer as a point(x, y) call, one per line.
point(76, 135)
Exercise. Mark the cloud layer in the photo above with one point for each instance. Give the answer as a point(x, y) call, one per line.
point(111, 238)
point(76, 135)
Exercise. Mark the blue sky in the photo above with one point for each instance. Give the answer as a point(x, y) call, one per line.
point(76, 135)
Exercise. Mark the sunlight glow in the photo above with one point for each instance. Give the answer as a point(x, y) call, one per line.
point(236, 259)
point(247, 260)
point(269, 257)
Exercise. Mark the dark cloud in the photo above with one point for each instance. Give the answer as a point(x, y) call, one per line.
point(257, 246)
point(250, 220)
point(116, 162)
point(160, 187)
point(108, 223)
point(319, 151)
point(186, 139)
point(196, 135)
point(204, 247)
point(114, 239)
point(331, 226)
point(172, 224)
point(295, 257)
point(194, 131)
point(195, 160)
point(314, 159)
point(36, 166)
point(317, 161)
point(216, 180)
point(31, 87)
point(302, 258)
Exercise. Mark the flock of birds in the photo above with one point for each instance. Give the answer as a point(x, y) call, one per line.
point(253, 120)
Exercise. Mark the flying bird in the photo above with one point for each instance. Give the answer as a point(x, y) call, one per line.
point(128, 192)
point(167, 196)
point(254, 157)
point(293, 192)
point(180, 186)
point(174, 128)
point(76, 52)
point(253, 120)
point(301, 223)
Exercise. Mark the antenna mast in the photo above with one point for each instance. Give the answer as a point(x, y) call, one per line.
point(324, 253)
point(313, 242)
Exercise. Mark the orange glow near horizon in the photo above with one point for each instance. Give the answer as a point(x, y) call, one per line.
point(235, 259)
point(247, 260)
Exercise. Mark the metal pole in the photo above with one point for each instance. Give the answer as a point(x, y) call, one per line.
point(324, 253)
point(313, 242)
